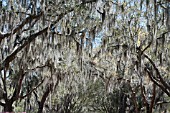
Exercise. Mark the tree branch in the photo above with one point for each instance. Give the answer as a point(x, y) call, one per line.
point(21, 25)
point(45, 95)
point(4, 85)
point(48, 65)
point(18, 87)
point(153, 98)
point(60, 16)
point(22, 97)
point(143, 95)
point(28, 40)
point(133, 94)
point(158, 73)
point(155, 82)
point(88, 1)
point(147, 46)
point(151, 43)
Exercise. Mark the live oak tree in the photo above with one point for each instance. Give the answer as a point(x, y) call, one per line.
point(31, 39)
point(52, 49)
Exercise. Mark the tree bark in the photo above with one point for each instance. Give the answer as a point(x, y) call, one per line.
point(8, 106)
point(122, 106)
point(44, 97)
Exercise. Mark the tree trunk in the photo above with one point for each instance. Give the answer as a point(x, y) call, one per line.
point(44, 97)
point(8, 106)
point(122, 106)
